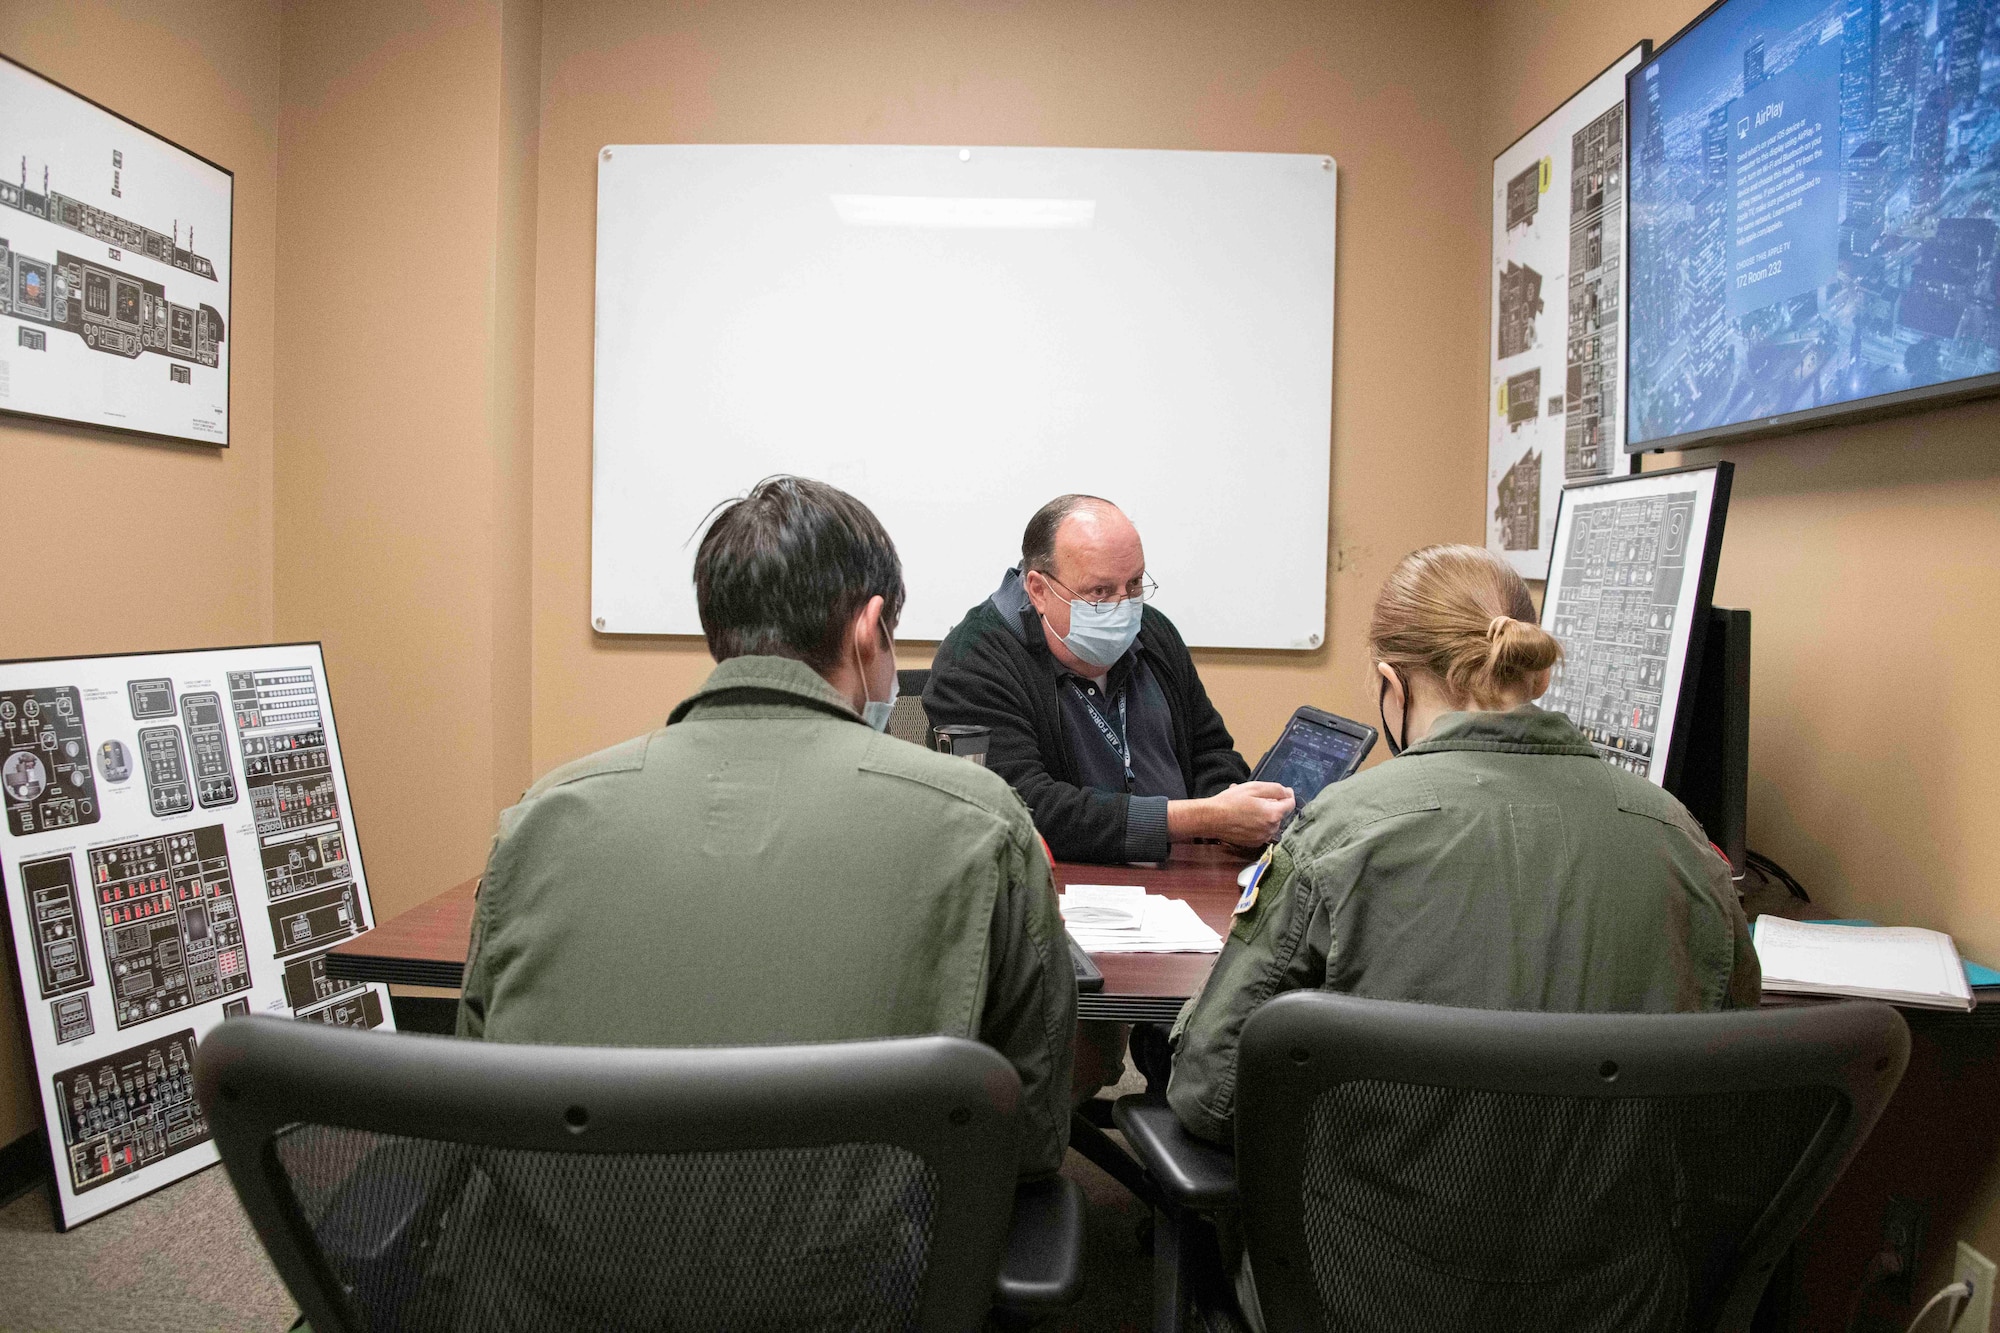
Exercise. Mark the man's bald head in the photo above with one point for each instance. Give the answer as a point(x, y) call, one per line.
point(1068, 519)
point(1079, 546)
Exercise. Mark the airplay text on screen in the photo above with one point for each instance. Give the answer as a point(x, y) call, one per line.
point(1784, 187)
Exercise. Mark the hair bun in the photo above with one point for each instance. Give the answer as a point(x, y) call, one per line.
point(1436, 615)
point(1516, 650)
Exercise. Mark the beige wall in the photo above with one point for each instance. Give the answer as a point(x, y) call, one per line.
point(1358, 81)
point(140, 508)
point(1869, 557)
point(401, 523)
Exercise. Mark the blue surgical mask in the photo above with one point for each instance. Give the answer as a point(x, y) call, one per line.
point(876, 714)
point(1100, 635)
point(873, 713)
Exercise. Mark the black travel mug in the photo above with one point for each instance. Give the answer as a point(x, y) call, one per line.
point(967, 741)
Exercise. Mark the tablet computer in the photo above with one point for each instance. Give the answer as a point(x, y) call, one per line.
point(1315, 750)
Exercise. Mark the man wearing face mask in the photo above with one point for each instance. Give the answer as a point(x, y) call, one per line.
point(768, 867)
point(1098, 717)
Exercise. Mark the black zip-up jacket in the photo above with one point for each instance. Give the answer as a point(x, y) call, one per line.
point(994, 669)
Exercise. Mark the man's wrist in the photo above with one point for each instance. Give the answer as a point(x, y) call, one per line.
point(1189, 819)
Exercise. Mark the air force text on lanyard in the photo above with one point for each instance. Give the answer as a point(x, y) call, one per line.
point(1119, 740)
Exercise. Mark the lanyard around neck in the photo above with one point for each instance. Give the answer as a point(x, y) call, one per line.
point(1119, 741)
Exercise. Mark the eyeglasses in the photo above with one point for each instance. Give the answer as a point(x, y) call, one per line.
point(1141, 589)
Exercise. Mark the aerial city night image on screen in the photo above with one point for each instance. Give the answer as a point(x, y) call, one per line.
point(1814, 194)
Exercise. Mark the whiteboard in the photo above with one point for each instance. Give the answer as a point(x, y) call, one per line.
point(956, 336)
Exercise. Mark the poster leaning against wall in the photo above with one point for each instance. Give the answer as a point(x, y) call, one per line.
point(1555, 400)
point(176, 846)
point(114, 269)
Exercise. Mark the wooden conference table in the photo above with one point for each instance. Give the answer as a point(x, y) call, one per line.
point(425, 946)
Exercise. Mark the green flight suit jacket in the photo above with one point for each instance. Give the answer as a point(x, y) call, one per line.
point(1498, 864)
point(767, 869)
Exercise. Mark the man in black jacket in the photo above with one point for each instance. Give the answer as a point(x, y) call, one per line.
point(1098, 717)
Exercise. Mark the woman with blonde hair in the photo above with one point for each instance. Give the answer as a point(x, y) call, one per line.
point(1496, 862)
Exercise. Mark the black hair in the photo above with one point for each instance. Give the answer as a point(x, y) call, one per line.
point(784, 570)
point(1038, 543)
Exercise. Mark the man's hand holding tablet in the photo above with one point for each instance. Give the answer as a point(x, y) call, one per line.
point(1248, 814)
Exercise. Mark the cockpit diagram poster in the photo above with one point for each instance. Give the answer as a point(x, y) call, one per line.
point(1555, 405)
point(114, 269)
point(177, 845)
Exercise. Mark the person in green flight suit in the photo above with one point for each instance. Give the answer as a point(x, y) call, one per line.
point(769, 866)
point(1496, 862)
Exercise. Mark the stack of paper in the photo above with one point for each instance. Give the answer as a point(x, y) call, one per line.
point(1124, 918)
point(1900, 964)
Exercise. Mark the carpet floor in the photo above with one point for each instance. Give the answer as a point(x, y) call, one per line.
point(181, 1258)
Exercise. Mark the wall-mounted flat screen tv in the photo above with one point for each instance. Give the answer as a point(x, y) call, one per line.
point(1815, 216)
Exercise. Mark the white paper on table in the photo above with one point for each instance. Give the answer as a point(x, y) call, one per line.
point(1903, 964)
point(1169, 926)
point(1104, 907)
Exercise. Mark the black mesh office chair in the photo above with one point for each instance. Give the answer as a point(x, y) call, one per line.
point(414, 1183)
point(1406, 1166)
point(907, 720)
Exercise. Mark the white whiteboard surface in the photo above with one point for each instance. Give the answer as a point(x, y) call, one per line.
point(957, 336)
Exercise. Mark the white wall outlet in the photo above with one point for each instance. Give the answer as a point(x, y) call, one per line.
point(1976, 1315)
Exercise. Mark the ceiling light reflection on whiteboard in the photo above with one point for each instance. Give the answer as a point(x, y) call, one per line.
point(921, 210)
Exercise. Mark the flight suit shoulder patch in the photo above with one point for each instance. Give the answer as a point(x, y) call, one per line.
point(1248, 898)
point(1270, 879)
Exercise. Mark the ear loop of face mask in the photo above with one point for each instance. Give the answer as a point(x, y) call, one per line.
point(875, 711)
point(1396, 747)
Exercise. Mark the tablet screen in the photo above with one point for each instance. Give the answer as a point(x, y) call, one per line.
point(1308, 758)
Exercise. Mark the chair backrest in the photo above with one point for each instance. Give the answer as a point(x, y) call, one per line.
point(411, 1182)
point(1415, 1166)
point(908, 720)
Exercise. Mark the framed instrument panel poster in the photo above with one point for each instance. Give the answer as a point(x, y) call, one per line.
point(1555, 398)
point(178, 846)
point(114, 269)
point(1628, 597)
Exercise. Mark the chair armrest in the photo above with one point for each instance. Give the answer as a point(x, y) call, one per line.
point(1191, 1172)
point(1042, 1270)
